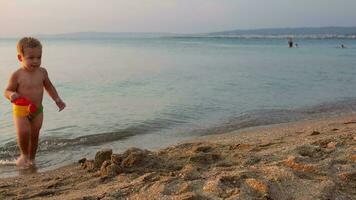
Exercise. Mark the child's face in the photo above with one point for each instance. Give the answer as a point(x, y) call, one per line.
point(31, 58)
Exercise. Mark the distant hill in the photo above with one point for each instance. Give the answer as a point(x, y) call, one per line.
point(322, 31)
point(314, 32)
point(91, 35)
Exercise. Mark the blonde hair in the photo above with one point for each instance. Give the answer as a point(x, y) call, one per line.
point(27, 42)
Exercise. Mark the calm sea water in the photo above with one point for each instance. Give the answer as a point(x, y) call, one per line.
point(152, 92)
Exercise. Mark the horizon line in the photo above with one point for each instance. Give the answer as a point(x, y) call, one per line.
point(174, 33)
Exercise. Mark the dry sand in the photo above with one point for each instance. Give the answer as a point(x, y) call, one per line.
point(303, 160)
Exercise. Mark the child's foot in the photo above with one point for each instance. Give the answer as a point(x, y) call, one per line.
point(32, 163)
point(22, 162)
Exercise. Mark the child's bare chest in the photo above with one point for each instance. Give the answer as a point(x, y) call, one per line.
point(27, 81)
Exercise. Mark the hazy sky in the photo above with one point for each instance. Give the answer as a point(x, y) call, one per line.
point(25, 17)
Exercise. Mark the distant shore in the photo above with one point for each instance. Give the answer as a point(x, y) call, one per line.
point(312, 159)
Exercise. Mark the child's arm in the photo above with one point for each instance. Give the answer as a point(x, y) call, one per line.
point(10, 91)
point(52, 92)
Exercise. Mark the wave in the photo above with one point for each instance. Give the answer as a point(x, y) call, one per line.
point(10, 149)
point(265, 117)
point(7, 162)
point(252, 118)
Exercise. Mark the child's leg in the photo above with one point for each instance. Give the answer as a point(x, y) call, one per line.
point(23, 129)
point(36, 125)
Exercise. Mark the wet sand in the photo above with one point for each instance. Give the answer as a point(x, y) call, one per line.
point(302, 160)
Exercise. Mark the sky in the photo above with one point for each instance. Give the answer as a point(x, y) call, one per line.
point(29, 17)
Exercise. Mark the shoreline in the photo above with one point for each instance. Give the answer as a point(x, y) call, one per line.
point(316, 156)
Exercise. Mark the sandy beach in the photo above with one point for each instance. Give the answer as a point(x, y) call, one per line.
point(302, 160)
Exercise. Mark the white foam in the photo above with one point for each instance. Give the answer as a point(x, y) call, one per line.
point(7, 162)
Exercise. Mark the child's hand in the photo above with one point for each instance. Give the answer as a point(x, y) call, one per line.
point(61, 105)
point(14, 96)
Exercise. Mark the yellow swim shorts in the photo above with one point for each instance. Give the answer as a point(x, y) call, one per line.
point(21, 111)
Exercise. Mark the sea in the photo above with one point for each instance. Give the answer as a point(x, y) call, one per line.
point(152, 92)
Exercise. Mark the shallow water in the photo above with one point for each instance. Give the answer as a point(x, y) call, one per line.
point(152, 92)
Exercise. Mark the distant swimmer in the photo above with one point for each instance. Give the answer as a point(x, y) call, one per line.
point(290, 42)
point(342, 46)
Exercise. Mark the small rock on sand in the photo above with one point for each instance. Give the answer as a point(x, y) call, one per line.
point(101, 156)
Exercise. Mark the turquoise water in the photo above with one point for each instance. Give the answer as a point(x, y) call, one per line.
point(152, 92)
